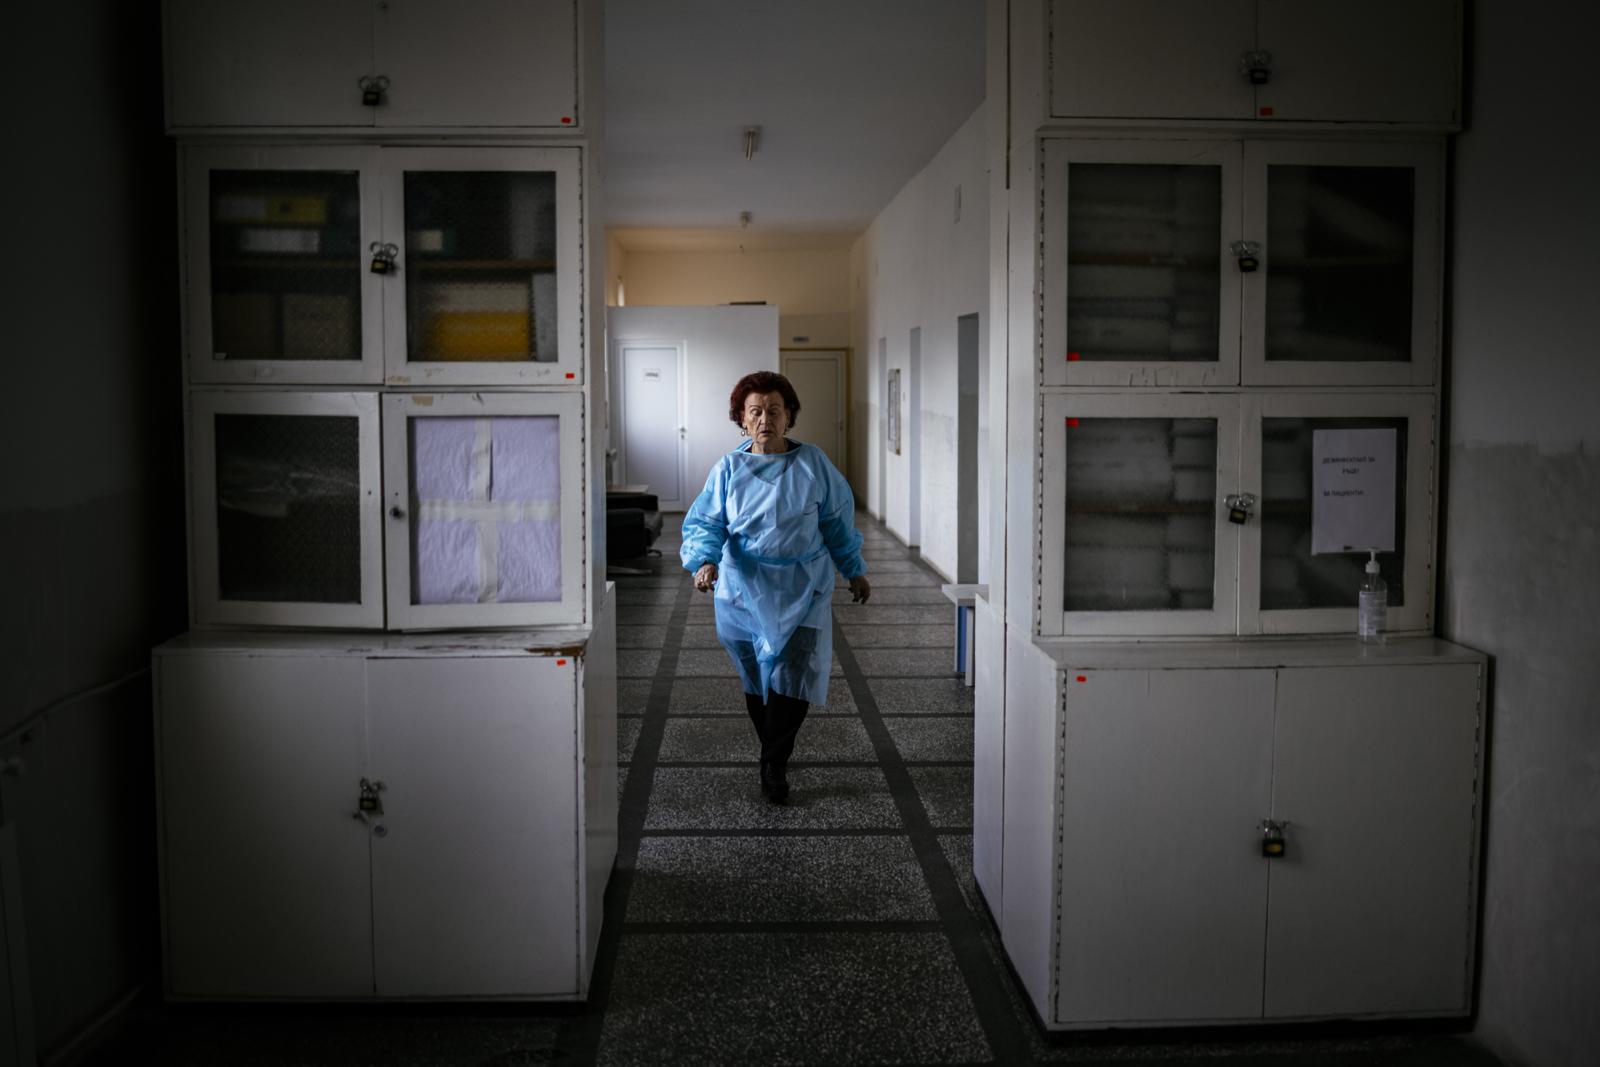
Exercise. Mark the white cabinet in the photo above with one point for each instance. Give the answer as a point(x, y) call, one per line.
point(480, 522)
point(1139, 535)
point(264, 872)
point(481, 247)
point(471, 868)
point(1159, 904)
point(1179, 261)
point(306, 63)
point(1314, 60)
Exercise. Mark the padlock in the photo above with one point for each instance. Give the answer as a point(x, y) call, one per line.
point(372, 89)
point(383, 257)
point(1257, 66)
point(1273, 844)
point(1248, 254)
point(369, 802)
point(1239, 505)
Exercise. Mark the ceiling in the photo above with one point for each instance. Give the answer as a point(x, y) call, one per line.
point(853, 98)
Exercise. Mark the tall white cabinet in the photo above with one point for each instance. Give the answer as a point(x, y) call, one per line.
point(392, 279)
point(1198, 798)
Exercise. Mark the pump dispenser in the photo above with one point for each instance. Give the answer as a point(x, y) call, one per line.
point(1372, 612)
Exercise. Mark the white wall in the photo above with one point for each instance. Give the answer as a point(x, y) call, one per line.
point(722, 345)
point(809, 286)
point(917, 265)
point(1522, 514)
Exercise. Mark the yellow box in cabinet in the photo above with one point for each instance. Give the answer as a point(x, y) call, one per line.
point(285, 208)
point(478, 336)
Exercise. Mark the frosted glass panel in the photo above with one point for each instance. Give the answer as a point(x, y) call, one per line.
point(288, 508)
point(1141, 514)
point(1143, 267)
point(485, 500)
point(1291, 577)
point(481, 252)
point(285, 270)
point(1339, 263)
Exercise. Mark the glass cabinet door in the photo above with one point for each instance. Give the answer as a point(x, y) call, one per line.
point(1348, 286)
point(285, 505)
point(278, 287)
point(1135, 539)
point(1139, 288)
point(487, 286)
point(484, 496)
point(1293, 580)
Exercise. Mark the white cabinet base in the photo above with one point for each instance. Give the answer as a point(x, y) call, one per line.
point(478, 873)
point(1134, 888)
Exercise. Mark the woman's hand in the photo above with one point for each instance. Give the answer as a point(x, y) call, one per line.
point(706, 577)
point(860, 589)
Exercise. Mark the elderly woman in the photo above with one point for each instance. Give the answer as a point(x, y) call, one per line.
point(774, 520)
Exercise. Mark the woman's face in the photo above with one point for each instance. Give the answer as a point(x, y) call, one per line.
point(766, 419)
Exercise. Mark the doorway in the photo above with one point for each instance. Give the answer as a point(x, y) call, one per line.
point(650, 429)
point(914, 439)
point(968, 491)
point(818, 376)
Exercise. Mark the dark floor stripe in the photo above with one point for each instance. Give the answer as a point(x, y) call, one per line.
point(984, 981)
point(827, 926)
point(578, 1040)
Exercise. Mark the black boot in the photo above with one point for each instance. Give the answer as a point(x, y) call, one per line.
point(784, 716)
point(774, 782)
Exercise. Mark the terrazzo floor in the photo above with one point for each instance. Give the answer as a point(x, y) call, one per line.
point(842, 928)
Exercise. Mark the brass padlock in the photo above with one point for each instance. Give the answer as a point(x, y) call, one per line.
point(383, 257)
point(372, 89)
point(1273, 844)
point(370, 803)
point(1239, 505)
point(1256, 66)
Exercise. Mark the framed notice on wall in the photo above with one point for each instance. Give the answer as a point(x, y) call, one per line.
point(893, 409)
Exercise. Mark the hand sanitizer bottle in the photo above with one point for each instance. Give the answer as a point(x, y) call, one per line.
point(1372, 612)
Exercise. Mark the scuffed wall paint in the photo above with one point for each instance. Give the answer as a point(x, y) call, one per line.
point(1523, 585)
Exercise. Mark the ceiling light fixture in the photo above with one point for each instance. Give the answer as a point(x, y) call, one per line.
point(751, 135)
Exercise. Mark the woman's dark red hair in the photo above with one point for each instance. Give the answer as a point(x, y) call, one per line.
point(763, 381)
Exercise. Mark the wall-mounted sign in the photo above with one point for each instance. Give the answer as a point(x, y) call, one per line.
point(1352, 488)
point(652, 375)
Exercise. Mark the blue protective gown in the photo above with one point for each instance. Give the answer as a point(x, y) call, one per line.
point(776, 527)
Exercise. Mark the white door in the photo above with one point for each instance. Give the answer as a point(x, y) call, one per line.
point(478, 63)
point(475, 872)
point(1150, 58)
point(484, 509)
point(818, 379)
point(1165, 776)
point(1371, 906)
point(288, 63)
point(650, 427)
point(265, 876)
